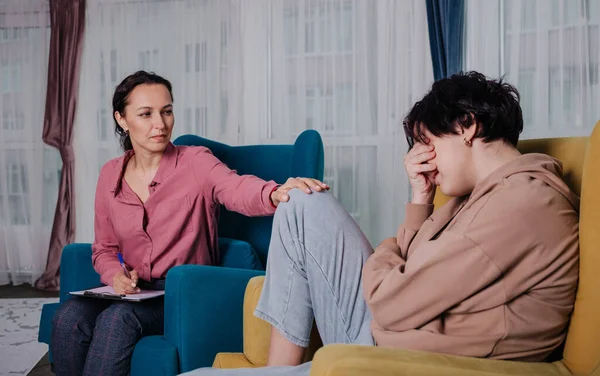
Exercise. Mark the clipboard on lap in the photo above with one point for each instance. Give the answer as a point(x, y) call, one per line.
point(107, 292)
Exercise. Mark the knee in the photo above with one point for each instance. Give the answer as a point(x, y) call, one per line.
point(70, 316)
point(313, 201)
point(313, 204)
point(118, 314)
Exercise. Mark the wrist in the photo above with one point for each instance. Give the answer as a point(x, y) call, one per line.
point(423, 199)
point(271, 196)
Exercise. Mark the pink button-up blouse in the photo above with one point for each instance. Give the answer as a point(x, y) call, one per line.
point(178, 222)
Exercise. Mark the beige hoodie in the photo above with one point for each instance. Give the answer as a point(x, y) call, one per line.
point(489, 275)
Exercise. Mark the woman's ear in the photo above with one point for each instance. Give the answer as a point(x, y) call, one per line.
point(121, 121)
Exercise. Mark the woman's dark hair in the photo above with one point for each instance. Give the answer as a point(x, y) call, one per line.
point(122, 95)
point(465, 98)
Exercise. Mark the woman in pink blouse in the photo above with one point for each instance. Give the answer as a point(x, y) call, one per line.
point(157, 206)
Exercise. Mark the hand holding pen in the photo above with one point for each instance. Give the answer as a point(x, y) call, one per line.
point(125, 281)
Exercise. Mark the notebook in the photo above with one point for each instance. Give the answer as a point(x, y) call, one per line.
point(107, 292)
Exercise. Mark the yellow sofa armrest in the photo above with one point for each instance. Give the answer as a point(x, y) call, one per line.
point(232, 360)
point(257, 333)
point(354, 360)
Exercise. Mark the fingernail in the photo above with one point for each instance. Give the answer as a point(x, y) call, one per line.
point(132, 284)
point(137, 290)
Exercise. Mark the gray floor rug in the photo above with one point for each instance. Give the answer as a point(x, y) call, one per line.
point(19, 322)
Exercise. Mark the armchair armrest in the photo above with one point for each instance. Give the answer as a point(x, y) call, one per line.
point(356, 360)
point(76, 270)
point(204, 312)
point(76, 273)
point(153, 355)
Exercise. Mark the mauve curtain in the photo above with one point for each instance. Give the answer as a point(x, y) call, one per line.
point(446, 20)
point(67, 20)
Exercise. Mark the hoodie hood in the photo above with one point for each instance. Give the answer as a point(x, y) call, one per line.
point(537, 166)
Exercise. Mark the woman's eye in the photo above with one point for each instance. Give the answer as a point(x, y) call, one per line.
point(168, 112)
point(145, 114)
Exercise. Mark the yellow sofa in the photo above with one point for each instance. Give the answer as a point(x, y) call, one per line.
point(581, 356)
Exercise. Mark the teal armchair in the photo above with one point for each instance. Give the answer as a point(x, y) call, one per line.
point(201, 301)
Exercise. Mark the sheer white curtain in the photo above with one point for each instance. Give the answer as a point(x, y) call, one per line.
point(262, 71)
point(29, 170)
point(550, 50)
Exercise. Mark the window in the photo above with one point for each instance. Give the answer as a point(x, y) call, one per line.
point(224, 113)
point(199, 61)
point(113, 65)
point(198, 124)
point(102, 124)
point(223, 49)
point(349, 165)
point(13, 34)
point(147, 60)
point(11, 76)
point(550, 51)
point(223, 34)
point(13, 120)
point(17, 187)
point(318, 25)
point(290, 19)
point(201, 58)
point(319, 109)
point(6, 79)
point(188, 57)
point(526, 81)
point(51, 180)
point(144, 60)
point(187, 120)
point(201, 121)
point(329, 109)
point(102, 73)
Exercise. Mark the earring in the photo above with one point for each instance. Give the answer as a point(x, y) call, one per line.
point(467, 142)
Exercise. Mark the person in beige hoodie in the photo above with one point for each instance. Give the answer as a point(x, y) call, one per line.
point(491, 274)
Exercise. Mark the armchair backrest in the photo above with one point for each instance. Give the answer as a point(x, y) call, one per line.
point(270, 162)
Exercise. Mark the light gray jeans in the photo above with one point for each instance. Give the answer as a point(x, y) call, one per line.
point(314, 269)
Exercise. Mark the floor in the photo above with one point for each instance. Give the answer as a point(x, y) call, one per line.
point(24, 291)
point(27, 291)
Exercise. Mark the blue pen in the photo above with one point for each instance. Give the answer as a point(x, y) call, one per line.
point(123, 265)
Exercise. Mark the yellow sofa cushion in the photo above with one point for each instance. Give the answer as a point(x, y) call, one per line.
point(353, 360)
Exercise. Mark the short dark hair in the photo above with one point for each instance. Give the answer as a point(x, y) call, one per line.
point(462, 99)
point(121, 96)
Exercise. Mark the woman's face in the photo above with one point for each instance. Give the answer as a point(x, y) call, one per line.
point(453, 159)
point(148, 117)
